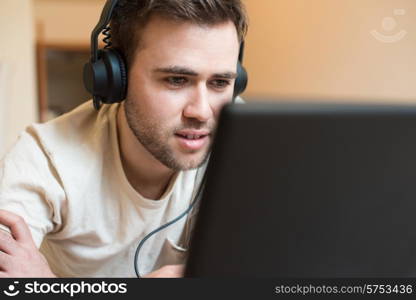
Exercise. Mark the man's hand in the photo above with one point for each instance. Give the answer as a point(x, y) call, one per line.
point(170, 271)
point(19, 256)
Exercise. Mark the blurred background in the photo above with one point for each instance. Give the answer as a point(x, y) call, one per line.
point(309, 50)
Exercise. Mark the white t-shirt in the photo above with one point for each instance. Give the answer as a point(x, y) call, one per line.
point(65, 178)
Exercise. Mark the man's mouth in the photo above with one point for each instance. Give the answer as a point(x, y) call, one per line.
point(191, 136)
point(192, 139)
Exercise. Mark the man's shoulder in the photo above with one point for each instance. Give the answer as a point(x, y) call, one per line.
point(239, 100)
point(71, 124)
point(69, 140)
point(77, 128)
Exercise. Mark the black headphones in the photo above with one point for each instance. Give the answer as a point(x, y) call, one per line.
point(105, 75)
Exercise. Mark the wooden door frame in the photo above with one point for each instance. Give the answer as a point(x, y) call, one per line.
point(42, 47)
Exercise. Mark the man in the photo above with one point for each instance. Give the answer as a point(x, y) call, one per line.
point(90, 185)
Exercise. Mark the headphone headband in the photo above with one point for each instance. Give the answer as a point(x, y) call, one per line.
point(241, 53)
point(102, 23)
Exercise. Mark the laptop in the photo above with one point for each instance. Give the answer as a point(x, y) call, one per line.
point(309, 191)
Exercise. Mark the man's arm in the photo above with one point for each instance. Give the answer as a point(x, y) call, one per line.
point(19, 256)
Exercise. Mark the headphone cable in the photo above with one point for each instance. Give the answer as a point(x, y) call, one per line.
point(194, 201)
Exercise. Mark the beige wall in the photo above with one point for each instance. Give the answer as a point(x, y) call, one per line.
point(324, 49)
point(67, 21)
point(17, 89)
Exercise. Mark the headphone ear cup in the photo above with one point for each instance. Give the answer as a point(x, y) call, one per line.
point(123, 75)
point(106, 79)
point(116, 76)
point(241, 80)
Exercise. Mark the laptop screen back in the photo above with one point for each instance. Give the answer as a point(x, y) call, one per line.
point(309, 191)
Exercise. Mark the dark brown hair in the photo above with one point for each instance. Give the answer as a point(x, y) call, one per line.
point(132, 15)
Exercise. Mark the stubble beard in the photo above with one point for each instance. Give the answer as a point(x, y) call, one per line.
point(154, 139)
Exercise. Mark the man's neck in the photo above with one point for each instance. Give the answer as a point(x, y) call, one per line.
point(148, 176)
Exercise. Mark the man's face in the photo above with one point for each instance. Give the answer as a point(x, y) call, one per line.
point(181, 77)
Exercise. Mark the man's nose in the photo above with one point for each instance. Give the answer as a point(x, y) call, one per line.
point(199, 106)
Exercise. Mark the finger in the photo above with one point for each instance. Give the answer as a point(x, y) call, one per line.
point(7, 242)
point(173, 271)
point(18, 227)
point(179, 270)
point(4, 261)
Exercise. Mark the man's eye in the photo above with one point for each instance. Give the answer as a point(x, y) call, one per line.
point(220, 83)
point(176, 81)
